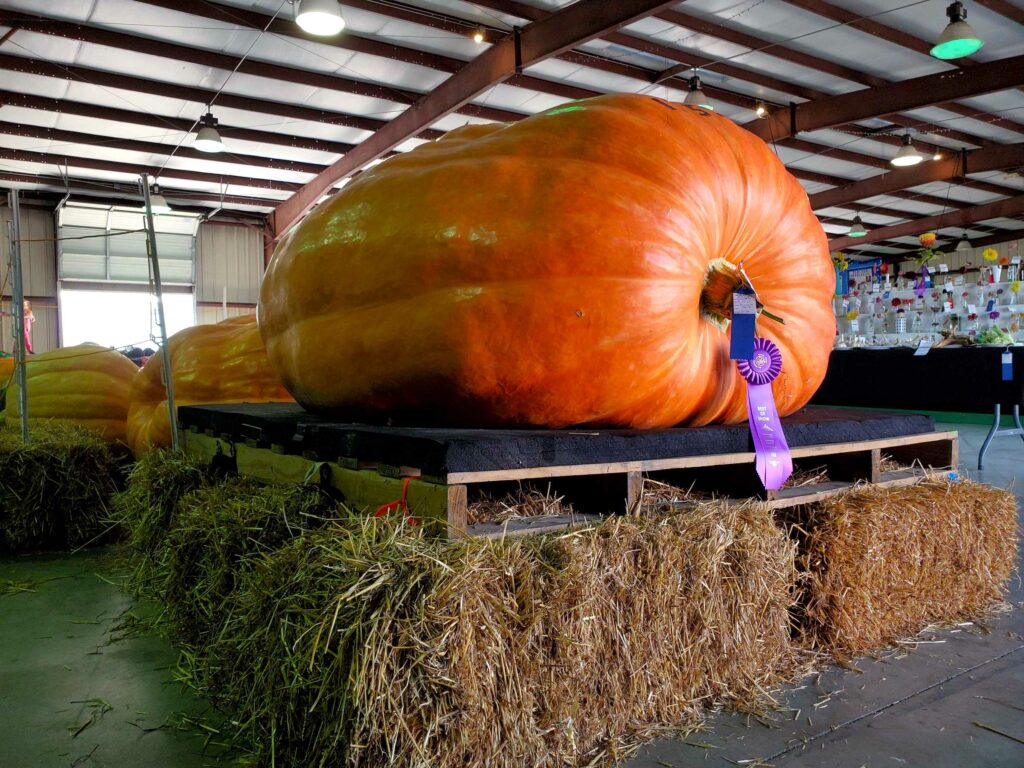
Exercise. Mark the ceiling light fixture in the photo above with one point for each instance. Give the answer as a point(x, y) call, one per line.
point(907, 154)
point(479, 37)
point(964, 245)
point(157, 202)
point(696, 97)
point(857, 228)
point(319, 17)
point(958, 39)
point(937, 155)
point(208, 138)
point(761, 110)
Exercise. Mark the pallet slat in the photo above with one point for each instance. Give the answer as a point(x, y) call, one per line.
point(613, 487)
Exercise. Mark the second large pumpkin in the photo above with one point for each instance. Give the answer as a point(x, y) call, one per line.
point(221, 363)
point(568, 269)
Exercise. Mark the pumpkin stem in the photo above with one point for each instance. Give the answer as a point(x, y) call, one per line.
point(720, 281)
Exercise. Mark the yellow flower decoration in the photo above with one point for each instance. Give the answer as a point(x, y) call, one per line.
point(1015, 286)
point(852, 314)
point(990, 254)
point(840, 261)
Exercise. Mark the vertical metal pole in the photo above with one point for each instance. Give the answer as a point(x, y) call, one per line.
point(18, 309)
point(158, 289)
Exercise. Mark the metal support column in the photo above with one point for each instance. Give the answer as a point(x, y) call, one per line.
point(158, 290)
point(18, 309)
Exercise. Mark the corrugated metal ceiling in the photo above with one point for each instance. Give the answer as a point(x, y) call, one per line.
point(779, 51)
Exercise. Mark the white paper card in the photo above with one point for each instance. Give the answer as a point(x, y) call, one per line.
point(943, 268)
point(1007, 358)
point(922, 349)
point(971, 309)
point(744, 304)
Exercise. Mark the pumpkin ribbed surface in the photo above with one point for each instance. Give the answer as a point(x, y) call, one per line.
point(86, 385)
point(552, 272)
point(222, 363)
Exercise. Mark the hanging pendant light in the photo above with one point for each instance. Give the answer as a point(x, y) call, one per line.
point(907, 154)
point(320, 17)
point(964, 246)
point(208, 139)
point(157, 202)
point(857, 228)
point(696, 97)
point(958, 39)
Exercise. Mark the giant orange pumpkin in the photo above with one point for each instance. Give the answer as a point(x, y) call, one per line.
point(574, 268)
point(222, 363)
point(86, 385)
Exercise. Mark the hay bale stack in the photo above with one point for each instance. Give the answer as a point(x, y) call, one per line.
point(879, 564)
point(145, 510)
point(215, 530)
point(368, 642)
point(56, 491)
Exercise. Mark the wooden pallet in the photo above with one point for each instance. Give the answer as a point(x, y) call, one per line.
point(594, 489)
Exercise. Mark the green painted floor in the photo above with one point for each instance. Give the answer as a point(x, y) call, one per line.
point(70, 697)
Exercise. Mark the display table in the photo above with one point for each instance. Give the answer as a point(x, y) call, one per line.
point(959, 379)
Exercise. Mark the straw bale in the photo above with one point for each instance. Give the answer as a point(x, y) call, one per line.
point(145, 510)
point(214, 530)
point(368, 642)
point(880, 563)
point(523, 502)
point(55, 492)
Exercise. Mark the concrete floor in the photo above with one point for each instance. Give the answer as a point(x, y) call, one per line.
point(59, 674)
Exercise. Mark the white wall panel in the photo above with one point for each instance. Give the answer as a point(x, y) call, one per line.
point(229, 256)
point(208, 314)
point(39, 271)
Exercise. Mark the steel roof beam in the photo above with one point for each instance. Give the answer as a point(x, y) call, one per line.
point(154, 148)
point(1009, 207)
point(80, 186)
point(59, 160)
point(880, 162)
point(794, 56)
point(440, 21)
point(146, 86)
point(231, 15)
point(148, 119)
point(907, 94)
point(977, 161)
point(350, 41)
point(575, 24)
point(688, 60)
point(1005, 9)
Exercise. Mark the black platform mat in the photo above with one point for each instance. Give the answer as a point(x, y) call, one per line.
point(439, 451)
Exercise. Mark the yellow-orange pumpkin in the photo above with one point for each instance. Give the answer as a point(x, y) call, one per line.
point(222, 363)
point(6, 370)
point(566, 269)
point(86, 385)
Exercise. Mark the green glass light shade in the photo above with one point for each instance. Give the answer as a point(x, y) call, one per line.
point(958, 39)
point(957, 48)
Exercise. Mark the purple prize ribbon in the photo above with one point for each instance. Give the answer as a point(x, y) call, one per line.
point(773, 462)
